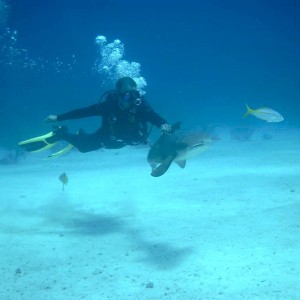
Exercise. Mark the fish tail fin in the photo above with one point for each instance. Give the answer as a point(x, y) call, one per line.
point(248, 112)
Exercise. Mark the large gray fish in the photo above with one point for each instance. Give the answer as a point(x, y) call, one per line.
point(176, 147)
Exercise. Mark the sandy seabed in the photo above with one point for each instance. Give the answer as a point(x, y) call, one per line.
point(225, 227)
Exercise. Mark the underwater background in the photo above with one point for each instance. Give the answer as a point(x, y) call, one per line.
point(98, 225)
point(201, 60)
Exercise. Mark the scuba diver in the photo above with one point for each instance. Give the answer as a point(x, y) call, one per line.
point(125, 117)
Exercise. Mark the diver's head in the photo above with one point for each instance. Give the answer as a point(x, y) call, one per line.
point(129, 100)
point(129, 96)
point(126, 84)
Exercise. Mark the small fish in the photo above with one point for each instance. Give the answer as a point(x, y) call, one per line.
point(264, 113)
point(64, 179)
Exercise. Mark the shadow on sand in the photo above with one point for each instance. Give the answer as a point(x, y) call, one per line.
point(69, 220)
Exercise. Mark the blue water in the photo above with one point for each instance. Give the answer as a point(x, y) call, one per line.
point(202, 60)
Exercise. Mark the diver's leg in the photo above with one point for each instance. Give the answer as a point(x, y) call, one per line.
point(85, 142)
point(82, 141)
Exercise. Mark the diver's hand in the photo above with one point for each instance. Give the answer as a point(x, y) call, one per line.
point(51, 119)
point(166, 128)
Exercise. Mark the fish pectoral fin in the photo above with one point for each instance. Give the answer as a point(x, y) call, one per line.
point(153, 165)
point(163, 167)
point(181, 163)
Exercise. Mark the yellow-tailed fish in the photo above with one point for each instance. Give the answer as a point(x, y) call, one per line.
point(64, 179)
point(264, 113)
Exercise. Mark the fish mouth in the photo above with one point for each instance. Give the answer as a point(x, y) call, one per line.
point(201, 144)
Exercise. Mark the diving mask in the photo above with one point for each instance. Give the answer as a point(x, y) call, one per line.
point(129, 100)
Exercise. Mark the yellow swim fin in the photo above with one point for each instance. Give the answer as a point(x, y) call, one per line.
point(61, 152)
point(39, 143)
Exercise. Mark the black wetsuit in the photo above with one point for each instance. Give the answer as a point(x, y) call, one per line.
point(119, 127)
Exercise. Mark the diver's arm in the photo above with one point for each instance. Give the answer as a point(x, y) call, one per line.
point(153, 117)
point(90, 111)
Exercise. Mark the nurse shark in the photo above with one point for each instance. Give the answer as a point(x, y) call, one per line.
point(176, 147)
